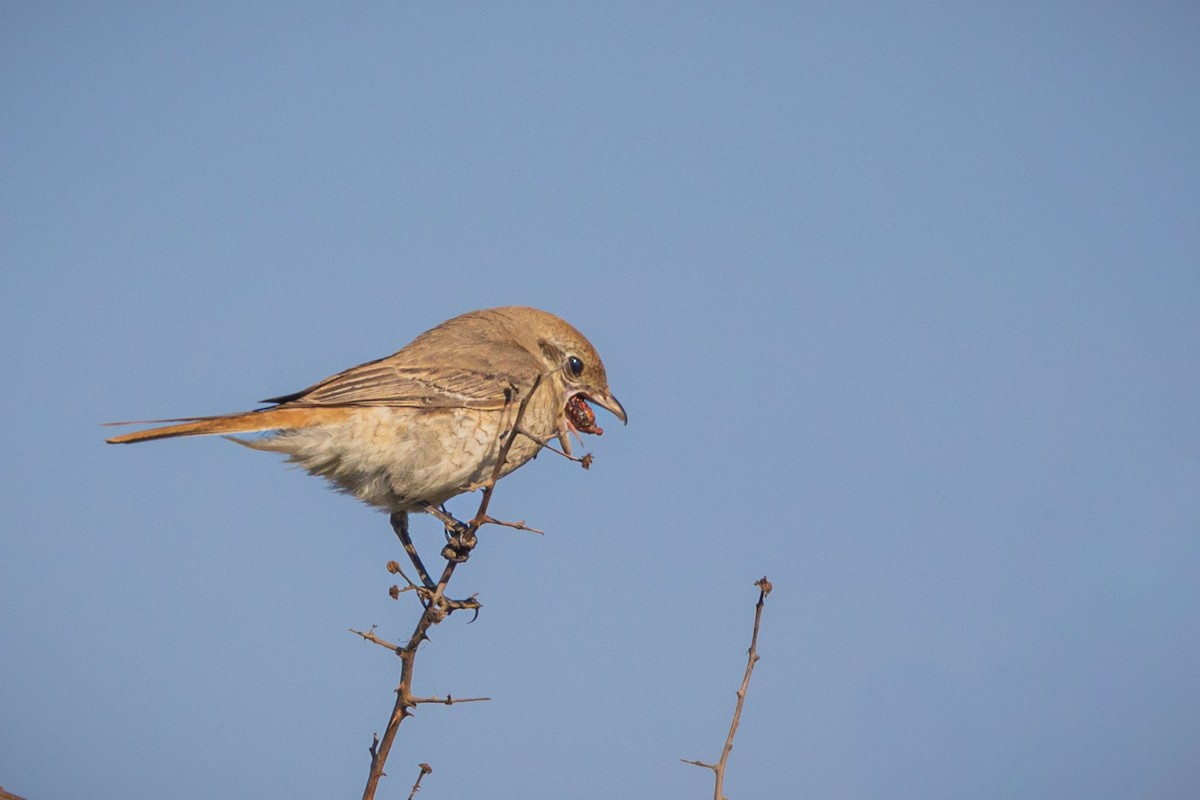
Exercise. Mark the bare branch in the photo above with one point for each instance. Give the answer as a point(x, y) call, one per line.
point(764, 589)
point(449, 701)
point(585, 460)
point(519, 525)
point(425, 770)
point(371, 637)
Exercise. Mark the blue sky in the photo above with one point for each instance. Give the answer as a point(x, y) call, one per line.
point(903, 301)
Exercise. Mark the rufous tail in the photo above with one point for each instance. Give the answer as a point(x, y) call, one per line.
point(267, 419)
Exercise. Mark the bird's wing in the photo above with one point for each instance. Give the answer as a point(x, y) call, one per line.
point(394, 381)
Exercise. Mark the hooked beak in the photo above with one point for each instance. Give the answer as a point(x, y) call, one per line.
point(605, 400)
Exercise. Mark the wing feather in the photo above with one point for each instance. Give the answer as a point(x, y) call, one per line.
point(470, 382)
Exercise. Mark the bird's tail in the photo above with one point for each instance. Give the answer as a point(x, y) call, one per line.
point(265, 419)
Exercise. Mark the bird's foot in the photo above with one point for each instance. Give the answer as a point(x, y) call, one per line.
point(459, 544)
point(460, 537)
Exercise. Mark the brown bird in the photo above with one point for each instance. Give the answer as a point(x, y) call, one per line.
point(412, 430)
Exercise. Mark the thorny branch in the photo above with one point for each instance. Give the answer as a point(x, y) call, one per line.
point(764, 589)
point(461, 540)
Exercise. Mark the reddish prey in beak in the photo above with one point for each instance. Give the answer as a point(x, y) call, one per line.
point(581, 418)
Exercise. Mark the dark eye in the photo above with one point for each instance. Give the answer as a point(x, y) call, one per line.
point(575, 365)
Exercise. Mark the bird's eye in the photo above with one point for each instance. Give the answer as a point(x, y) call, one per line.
point(575, 366)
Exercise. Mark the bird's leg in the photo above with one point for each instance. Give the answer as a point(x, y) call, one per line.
point(460, 537)
point(399, 520)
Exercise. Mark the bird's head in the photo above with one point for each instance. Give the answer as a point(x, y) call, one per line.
point(573, 366)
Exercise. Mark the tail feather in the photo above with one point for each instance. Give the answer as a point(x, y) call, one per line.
point(266, 419)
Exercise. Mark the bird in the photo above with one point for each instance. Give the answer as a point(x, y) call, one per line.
point(409, 431)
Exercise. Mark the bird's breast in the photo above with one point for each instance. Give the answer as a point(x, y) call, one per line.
point(396, 458)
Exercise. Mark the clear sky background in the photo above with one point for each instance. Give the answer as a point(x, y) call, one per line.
point(903, 301)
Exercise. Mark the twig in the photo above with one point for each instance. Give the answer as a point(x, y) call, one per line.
point(448, 700)
point(371, 637)
point(425, 770)
point(518, 525)
point(764, 589)
point(461, 541)
point(585, 459)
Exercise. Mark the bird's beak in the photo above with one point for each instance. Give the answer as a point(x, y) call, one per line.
point(605, 400)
